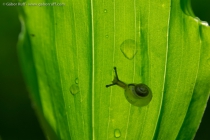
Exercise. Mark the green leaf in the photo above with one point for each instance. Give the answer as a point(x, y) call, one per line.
point(68, 53)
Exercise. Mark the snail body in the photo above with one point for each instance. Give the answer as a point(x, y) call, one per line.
point(136, 94)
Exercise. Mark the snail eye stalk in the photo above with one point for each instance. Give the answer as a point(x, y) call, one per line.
point(115, 69)
point(116, 79)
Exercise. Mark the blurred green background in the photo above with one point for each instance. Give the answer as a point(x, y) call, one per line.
point(17, 117)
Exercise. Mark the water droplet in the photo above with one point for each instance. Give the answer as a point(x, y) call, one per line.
point(205, 23)
point(74, 89)
point(105, 11)
point(197, 19)
point(76, 80)
point(117, 133)
point(128, 48)
point(107, 36)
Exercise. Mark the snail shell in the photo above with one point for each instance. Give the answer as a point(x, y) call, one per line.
point(138, 94)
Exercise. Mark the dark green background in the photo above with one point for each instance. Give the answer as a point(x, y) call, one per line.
point(17, 118)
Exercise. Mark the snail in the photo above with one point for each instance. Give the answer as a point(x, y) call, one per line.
point(136, 94)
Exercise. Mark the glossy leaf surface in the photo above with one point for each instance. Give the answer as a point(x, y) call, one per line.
point(68, 53)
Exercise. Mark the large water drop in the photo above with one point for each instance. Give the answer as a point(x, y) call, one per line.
point(128, 48)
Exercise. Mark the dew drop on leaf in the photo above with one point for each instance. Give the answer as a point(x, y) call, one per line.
point(105, 10)
point(204, 23)
point(128, 48)
point(117, 133)
point(76, 80)
point(74, 89)
point(107, 36)
point(197, 19)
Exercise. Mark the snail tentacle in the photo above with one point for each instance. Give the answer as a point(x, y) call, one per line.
point(116, 81)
